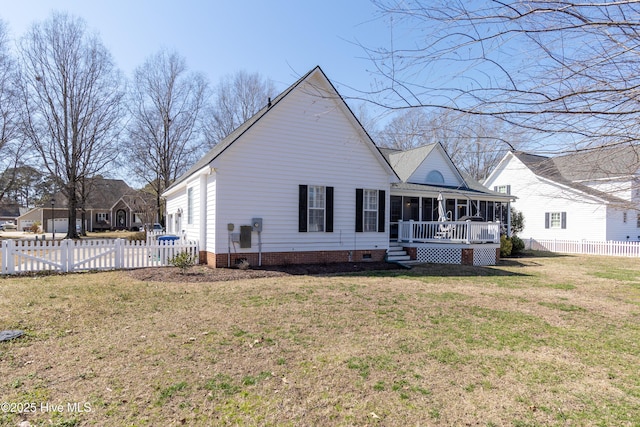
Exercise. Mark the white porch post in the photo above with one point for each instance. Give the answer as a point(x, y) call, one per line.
point(410, 231)
point(509, 219)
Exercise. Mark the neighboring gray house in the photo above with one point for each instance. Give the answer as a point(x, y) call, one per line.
point(111, 205)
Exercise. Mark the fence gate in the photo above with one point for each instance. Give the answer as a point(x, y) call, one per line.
point(100, 254)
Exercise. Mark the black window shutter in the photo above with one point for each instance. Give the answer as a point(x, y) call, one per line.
point(381, 209)
point(96, 217)
point(546, 220)
point(329, 210)
point(508, 189)
point(563, 219)
point(302, 208)
point(359, 210)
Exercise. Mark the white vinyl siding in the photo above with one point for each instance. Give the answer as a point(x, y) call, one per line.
point(436, 161)
point(307, 140)
point(587, 217)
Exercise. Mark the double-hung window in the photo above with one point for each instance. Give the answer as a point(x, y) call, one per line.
point(315, 208)
point(370, 210)
point(555, 220)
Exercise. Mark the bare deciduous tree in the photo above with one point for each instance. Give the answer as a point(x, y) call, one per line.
point(563, 69)
point(11, 141)
point(407, 130)
point(236, 99)
point(72, 96)
point(467, 139)
point(166, 111)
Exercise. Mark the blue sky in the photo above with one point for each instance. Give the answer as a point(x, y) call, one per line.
point(280, 39)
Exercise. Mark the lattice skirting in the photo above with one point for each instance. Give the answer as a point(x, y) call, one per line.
point(453, 255)
point(440, 255)
point(484, 256)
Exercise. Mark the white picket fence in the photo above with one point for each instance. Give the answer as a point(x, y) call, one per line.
point(19, 256)
point(586, 247)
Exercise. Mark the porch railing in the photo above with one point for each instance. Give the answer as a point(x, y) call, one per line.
point(448, 231)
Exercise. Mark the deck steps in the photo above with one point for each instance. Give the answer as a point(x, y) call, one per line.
point(395, 253)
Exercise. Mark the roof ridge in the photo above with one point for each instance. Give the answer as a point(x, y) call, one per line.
point(224, 143)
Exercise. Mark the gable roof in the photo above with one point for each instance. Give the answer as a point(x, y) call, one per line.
point(406, 162)
point(598, 164)
point(557, 169)
point(219, 148)
point(103, 193)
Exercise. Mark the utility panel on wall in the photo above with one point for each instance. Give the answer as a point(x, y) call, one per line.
point(245, 236)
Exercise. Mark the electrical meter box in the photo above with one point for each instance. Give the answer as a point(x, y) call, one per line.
point(256, 223)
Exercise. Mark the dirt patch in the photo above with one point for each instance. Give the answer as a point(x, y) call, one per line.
point(203, 273)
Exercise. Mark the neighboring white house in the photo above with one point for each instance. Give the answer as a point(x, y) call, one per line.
point(587, 195)
point(303, 182)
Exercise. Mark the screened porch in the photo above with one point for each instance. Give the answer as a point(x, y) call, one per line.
point(444, 217)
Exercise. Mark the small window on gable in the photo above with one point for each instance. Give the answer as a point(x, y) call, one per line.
point(435, 177)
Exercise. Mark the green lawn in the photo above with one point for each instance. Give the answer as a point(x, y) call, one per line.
point(537, 341)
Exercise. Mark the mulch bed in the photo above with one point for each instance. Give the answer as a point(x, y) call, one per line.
point(202, 273)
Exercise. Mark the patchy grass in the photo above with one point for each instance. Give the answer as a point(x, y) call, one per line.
point(537, 341)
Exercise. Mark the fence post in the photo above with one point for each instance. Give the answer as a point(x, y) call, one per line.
point(118, 253)
point(8, 265)
point(4, 258)
point(64, 255)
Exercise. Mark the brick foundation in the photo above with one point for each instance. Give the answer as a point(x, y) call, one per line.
point(287, 258)
point(412, 252)
point(467, 257)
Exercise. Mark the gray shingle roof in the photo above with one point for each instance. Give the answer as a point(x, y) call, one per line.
point(233, 136)
point(603, 163)
point(103, 193)
point(406, 162)
point(568, 169)
point(237, 133)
